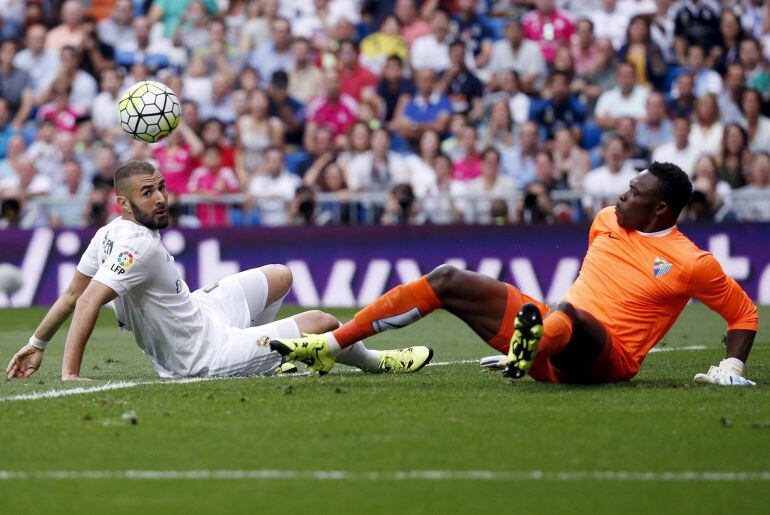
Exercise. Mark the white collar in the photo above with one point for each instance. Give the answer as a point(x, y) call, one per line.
point(658, 234)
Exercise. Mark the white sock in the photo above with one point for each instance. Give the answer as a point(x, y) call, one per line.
point(334, 345)
point(357, 355)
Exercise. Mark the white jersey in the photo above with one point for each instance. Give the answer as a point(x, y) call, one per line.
point(179, 332)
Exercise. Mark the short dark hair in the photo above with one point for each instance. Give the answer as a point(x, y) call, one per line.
point(675, 185)
point(130, 169)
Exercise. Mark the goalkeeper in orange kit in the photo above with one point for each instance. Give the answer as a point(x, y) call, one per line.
point(637, 276)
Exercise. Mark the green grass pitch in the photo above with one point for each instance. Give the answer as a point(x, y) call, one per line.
point(452, 419)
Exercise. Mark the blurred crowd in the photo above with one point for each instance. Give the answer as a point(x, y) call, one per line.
point(392, 112)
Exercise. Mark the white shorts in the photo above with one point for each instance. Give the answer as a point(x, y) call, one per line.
point(235, 301)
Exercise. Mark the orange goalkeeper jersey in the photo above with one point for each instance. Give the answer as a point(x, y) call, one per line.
point(637, 284)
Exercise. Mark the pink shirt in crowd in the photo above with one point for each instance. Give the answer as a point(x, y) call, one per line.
point(466, 168)
point(207, 181)
point(339, 116)
point(176, 166)
point(550, 32)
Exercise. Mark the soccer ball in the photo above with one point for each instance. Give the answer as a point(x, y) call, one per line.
point(149, 111)
point(10, 278)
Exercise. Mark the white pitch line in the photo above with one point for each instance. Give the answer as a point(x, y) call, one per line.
point(406, 475)
point(121, 385)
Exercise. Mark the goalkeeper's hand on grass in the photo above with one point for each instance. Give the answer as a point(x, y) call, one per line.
point(24, 363)
point(727, 373)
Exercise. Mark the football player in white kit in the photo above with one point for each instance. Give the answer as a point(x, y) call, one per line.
point(221, 330)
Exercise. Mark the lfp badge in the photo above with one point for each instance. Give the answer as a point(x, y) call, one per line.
point(125, 259)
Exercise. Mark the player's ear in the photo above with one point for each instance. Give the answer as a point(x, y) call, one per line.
point(661, 208)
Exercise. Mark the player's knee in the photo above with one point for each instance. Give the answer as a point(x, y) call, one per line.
point(565, 307)
point(279, 279)
point(321, 321)
point(443, 280)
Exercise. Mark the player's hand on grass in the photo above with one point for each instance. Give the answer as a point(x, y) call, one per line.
point(25, 362)
point(727, 373)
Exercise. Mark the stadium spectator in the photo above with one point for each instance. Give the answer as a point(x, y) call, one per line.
point(9, 128)
point(287, 109)
point(498, 130)
point(69, 197)
point(275, 54)
point(272, 187)
point(192, 29)
point(103, 112)
point(118, 29)
point(712, 193)
point(696, 22)
point(600, 77)
point(643, 54)
point(571, 162)
point(393, 89)
point(256, 29)
point(220, 104)
point(378, 169)
point(626, 99)
point(439, 206)
point(176, 157)
point(40, 63)
point(355, 143)
point(728, 51)
point(26, 185)
point(212, 132)
point(83, 87)
point(610, 22)
point(219, 51)
point(142, 49)
point(169, 13)
point(467, 165)
point(463, 89)
point(210, 180)
point(332, 108)
point(730, 98)
point(518, 102)
point(305, 78)
point(560, 110)
point(518, 162)
point(70, 32)
point(472, 31)
point(15, 84)
point(255, 132)
point(380, 46)
point(757, 209)
point(656, 129)
point(521, 55)
point(756, 124)
point(583, 48)
point(679, 151)
point(662, 28)
point(706, 132)
point(432, 51)
point(427, 110)
point(400, 207)
point(302, 208)
point(412, 25)
point(605, 183)
point(639, 157)
point(421, 167)
point(535, 206)
point(484, 188)
point(105, 164)
point(734, 158)
point(548, 26)
point(59, 110)
point(357, 81)
point(682, 98)
point(755, 69)
point(705, 79)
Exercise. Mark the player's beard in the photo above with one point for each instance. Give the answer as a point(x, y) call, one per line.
point(147, 218)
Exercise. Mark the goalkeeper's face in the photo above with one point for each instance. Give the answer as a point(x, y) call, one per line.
point(149, 201)
point(640, 205)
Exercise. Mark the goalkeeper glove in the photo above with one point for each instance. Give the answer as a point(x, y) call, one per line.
point(728, 373)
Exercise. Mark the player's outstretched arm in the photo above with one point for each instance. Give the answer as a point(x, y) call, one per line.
point(26, 362)
point(83, 321)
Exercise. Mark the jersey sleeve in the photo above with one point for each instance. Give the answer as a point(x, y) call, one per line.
point(131, 264)
point(89, 261)
point(722, 294)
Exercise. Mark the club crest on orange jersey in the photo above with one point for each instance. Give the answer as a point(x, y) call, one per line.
point(661, 267)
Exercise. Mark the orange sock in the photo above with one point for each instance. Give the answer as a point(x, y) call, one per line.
point(557, 332)
point(397, 308)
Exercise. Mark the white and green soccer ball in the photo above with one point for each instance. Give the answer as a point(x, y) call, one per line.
point(149, 111)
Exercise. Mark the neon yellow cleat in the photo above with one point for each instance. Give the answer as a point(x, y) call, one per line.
point(527, 332)
point(404, 361)
point(311, 350)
